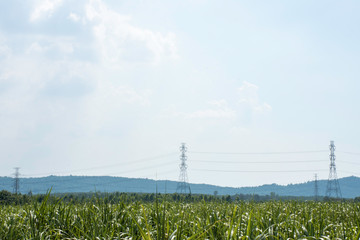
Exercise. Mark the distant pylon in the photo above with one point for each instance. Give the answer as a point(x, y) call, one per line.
point(333, 187)
point(316, 188)
point(16, 181)
point(183, 185)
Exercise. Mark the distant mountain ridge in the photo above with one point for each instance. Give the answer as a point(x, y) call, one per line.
point(62, 184)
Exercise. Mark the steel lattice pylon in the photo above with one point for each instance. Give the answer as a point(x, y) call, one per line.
point(333, 187)
point(183, 185)
point(316, 188)
point(16, 181)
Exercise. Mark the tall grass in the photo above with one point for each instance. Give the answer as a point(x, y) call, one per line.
point(164, 219)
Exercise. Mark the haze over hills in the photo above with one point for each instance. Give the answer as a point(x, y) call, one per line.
point(69, 184)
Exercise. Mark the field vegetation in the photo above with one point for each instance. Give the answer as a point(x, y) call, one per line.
point(165, 217)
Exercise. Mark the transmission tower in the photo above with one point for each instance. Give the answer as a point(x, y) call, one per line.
point(183, 185)
point(316, 188)
point(16, 181)
point(333, 187)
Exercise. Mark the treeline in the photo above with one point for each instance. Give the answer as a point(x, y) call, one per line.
point(8, 198)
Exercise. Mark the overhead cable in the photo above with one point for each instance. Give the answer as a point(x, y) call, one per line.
point(258, 171)
point(249, 162)
point(258, 153)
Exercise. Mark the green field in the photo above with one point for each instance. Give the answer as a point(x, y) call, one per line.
point(99, 218)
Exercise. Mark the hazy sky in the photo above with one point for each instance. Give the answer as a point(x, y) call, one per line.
point(92, 87)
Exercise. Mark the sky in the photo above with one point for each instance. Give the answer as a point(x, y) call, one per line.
point(256, 89)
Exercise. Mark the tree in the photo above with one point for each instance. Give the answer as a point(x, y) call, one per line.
point(6, 197)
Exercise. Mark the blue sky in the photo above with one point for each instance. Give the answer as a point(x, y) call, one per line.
point(96, 87)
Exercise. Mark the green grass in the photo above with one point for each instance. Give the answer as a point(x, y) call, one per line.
point(162, 219)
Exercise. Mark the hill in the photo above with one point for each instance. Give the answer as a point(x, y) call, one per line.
point(63, 184)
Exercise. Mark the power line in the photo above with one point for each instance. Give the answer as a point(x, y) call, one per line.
point(270, 162)
point(257, 171)
point(143, 168)
point(349, 172)
point(183, 157)
point(258, 153)
point(134, 170)
point(79, 178)
point(105, 166)
point(349, 162)
point(353, 153)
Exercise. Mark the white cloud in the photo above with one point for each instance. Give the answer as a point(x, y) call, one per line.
point(243, 110)
point(74, 17)
point(212, 113)
point(248, 94)
point(61, 45)
point(123, 94)
point(264, 107)
point(35, 48)
point(4, 49)
point(120, 41)
point(219, 110)
point(112, 107)
point(46, 85)
point(44, 8)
